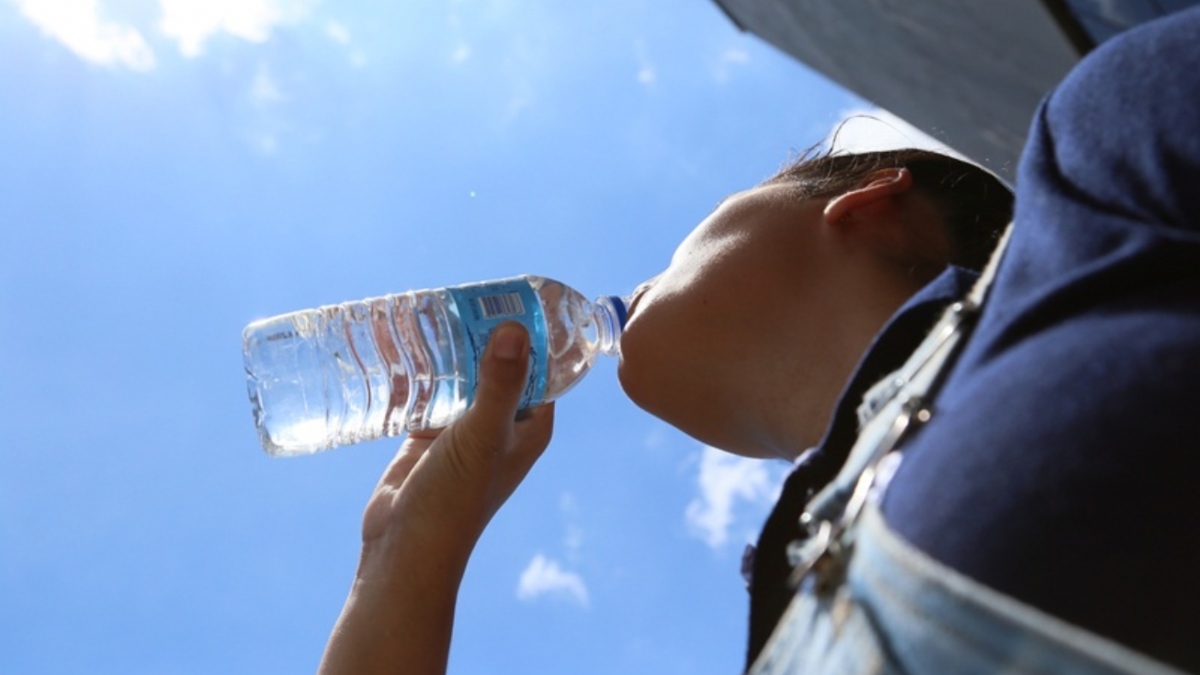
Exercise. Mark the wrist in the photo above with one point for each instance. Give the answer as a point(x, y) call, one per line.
point(399, 616)
point(397, 559)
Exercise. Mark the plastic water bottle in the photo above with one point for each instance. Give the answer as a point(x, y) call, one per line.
point(358, 371)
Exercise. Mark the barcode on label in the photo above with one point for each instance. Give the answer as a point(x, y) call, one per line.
point(508, 304)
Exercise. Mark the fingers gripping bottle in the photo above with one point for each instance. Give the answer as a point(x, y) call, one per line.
point(362, 370)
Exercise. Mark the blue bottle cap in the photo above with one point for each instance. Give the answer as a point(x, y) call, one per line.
point(622, 308)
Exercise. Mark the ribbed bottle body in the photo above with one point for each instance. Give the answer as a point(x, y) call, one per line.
point(358, 371)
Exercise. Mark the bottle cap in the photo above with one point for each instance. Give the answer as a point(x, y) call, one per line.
point(621, 307)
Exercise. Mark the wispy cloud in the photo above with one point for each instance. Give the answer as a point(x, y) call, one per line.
point(462, 50)
point(267, 121)
point(338, 32)
point(192, 23)
point(731, 58)
point(78, 26)
point(268, 124)
point(264, 89)
point(84, 27)
point(657, 436)
point(573, 541)
point(521, 99)
point(864, 129)
point(727, 482)
point(647, 74)
point(461, 53)
point(544, 577)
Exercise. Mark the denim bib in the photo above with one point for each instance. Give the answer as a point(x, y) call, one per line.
point(901, 612)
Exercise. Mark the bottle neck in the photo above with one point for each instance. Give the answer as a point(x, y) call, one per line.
point(609, 314)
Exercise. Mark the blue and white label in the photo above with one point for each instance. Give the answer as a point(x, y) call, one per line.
point(484, 306)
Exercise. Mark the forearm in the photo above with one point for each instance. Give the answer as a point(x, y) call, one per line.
point(425, 516)
point(399, 615)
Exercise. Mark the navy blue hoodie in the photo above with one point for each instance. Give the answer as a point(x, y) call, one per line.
point(1062, 463)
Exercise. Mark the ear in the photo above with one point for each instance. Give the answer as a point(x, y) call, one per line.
point(877, 189)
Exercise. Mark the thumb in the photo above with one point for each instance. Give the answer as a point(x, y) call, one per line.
point(503, 373)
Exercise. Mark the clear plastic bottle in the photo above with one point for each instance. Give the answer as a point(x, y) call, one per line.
point(358, 371)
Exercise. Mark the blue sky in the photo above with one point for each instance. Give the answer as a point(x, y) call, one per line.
point(173, 169)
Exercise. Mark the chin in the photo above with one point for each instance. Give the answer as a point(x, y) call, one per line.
point(684, 406)
point(635, 382)
point(651, 389)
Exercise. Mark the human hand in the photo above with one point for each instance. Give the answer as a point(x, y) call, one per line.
point(444, 485)
point(425, 516)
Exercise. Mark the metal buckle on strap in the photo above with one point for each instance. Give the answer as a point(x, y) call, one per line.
point(819, 554)
point(825, 553)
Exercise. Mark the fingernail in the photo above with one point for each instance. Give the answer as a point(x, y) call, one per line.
point(508, 343)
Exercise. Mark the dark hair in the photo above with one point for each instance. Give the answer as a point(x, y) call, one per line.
point(975, 205)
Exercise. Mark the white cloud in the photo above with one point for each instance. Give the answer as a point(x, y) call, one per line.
point(866, 129)
point(735, 55)
point(78, 26)
point(522, 99)
point(731, 58)
point(568, 504)
point(573, 541)
point(656, 438)
point(724, 481)
point(461, 53)
point(647, 74)
point(193, 22)
point(268, 124)
point(265, 143)
point(338, 32)
point(264, 89)
point(544, 577)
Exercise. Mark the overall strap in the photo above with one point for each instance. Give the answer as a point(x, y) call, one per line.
point(892, 409)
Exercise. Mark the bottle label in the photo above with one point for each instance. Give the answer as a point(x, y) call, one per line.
point(484, 306)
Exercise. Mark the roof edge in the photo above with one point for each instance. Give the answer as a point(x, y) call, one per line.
point(729, 15)
point(1070, 26)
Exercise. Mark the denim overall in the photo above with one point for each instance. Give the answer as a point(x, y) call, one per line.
point(901, 612)
point(868, 602)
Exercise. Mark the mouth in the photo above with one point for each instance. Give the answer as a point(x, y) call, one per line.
point(638, 293)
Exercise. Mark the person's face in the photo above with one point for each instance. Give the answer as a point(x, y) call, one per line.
point(712, 342)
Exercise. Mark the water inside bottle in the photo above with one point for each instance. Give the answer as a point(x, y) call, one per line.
point(358, 371)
